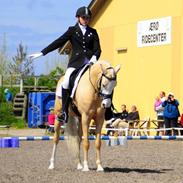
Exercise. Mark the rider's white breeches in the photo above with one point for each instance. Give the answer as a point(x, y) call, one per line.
point(68, 73)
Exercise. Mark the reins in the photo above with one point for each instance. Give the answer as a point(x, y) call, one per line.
point(110, 79)
point(91, 80)
point(100, 82)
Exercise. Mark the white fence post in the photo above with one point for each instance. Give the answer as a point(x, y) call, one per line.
point(21, 85)
point(1, 80)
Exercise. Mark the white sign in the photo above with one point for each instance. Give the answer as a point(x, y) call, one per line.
point(154, 32)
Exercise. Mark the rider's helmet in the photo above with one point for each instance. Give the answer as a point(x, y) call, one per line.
point(83, 12)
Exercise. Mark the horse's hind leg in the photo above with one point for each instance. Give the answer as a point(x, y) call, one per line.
point(98, 146)
point(55, 140)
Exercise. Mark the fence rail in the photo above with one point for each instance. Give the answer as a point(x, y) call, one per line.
point(17, 81)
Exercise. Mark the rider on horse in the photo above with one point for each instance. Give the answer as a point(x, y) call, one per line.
point(85, 49)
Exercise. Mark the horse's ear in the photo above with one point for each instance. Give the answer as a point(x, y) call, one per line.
point(102, 68)
point(117, 68)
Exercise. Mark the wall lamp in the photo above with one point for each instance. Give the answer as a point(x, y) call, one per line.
point(121, 50)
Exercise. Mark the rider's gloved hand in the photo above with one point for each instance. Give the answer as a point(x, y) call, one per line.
point(93, 60)
point(35, 55)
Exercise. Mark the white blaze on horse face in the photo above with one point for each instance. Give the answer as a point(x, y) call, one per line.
point(107, 90)
point(106, 103)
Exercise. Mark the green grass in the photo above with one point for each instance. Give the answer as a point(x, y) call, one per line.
point(19, 124)
point(7, 117)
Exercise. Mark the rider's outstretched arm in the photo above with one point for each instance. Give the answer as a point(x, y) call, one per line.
point(35, 55)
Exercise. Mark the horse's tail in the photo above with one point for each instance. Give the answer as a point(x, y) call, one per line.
point(72, 136)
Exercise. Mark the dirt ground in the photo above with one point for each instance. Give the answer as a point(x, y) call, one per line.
point(22, 132)
point(142, 161)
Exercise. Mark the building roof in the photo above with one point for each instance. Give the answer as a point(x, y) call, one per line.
point(95, 6)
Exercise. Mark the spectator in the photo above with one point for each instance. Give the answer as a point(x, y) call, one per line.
point(123, 114)
point(181, 123)
point(171, 113)
point(117, 118)
point(159, 109)
point(8, 95)
point(51, 120)
point(162, 96)
point(132, 116)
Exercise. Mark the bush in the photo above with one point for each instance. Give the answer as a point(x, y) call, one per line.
point(2, 94)
point(19, 123)
point(7, 117)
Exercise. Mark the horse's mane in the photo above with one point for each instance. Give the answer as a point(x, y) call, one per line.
point(104, 62)
point(100, 65)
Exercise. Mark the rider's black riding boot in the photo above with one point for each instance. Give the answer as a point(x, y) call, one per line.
point(65, 104)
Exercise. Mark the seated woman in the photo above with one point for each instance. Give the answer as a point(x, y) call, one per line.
point(116, 117)
point(125, 123)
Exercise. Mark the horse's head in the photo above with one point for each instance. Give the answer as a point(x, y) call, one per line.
point(107, 82)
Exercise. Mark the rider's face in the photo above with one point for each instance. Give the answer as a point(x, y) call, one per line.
point(83, 20)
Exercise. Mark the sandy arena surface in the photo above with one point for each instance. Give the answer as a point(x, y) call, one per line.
point(142, 161)
point(23, 132)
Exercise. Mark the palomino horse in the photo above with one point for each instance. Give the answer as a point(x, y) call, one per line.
point(92, 96)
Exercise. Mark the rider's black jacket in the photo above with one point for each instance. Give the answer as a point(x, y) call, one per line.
point(83, 46)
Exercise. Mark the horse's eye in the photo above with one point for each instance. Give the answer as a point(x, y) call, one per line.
point(103, 85)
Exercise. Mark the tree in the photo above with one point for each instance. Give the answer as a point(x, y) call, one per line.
point(3, 57)
point(20, 63)
point(52, 78)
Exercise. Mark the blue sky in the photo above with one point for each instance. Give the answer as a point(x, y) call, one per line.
point(35, 24)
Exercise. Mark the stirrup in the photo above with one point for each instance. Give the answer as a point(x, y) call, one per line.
point(62, 117)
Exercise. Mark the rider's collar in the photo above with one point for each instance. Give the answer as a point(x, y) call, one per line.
point(82, 26)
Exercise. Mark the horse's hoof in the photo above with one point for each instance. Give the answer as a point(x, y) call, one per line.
point(100, 169)
point(79, 167)
point(85, 169)
point(51, 167)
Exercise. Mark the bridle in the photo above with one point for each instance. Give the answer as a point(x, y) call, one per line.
point(99, 83)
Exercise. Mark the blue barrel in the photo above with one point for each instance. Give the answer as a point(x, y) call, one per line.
point(39, 104)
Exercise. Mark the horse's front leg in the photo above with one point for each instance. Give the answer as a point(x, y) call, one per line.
point(98, 145)
point(79, 165)
point(55, 140)
point(85, 126)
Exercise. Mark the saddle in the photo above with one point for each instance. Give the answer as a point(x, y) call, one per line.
point(75, 77)
point(73, 83)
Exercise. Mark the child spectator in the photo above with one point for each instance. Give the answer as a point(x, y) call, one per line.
point(51, 120)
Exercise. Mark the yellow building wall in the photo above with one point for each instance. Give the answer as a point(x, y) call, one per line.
point(148, 70)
